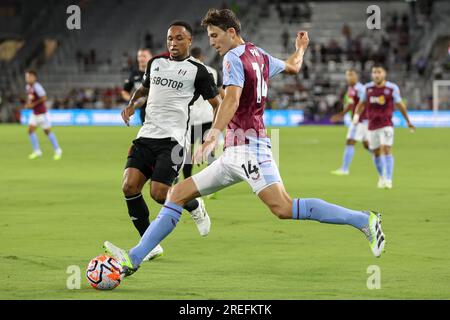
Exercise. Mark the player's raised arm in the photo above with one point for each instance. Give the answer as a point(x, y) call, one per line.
point(295, 61)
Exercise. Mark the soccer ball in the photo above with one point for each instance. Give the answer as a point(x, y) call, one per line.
point(104, 273)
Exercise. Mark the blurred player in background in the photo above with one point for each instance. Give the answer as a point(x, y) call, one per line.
point(380, 97)
point(247, 157)
point(201, 116)
point(172, 82)
point(36, 98)
point(135, 78)
point(358, 132)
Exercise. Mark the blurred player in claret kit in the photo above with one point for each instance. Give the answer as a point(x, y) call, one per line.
point(36, 97)
point(135, 78)
point(380, 97)
point(356, 132)
point(171, 84)
point(247, 156)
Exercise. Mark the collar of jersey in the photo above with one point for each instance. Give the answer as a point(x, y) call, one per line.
point(170, 58)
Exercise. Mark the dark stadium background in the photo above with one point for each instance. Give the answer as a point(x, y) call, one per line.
point(85, 69)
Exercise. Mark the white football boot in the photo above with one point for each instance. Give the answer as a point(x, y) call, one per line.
point(155, 253)
point(36, 154)
point(381, 183)
point(201, 218)
point(374, 234)
point(388, 184)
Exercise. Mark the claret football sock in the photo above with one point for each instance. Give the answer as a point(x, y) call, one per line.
point(160, 228)
point(138, 211)
point(348, 157)
point(324, 212)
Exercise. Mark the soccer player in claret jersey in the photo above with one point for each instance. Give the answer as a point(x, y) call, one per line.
point(172, 82)
point(380, 97)
point(247, 156)
point(356, 132)
point(40, 117)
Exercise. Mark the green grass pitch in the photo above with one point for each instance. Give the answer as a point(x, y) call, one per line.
point(57, 214)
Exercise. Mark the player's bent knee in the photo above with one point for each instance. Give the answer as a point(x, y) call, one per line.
point(130, 189)
point(175, 195)
point(159, 196)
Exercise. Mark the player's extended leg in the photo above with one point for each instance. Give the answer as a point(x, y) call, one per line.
point(133, 183)
point(196, 207)
point(165, 172)
point(51, 136)
point(349, 151)
point(279, 202)
point(34, 143)
point(389, 162)
point(166, 221)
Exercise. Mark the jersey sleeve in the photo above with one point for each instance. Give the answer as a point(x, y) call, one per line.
point(233, 71)
point(39, 90)
point(129, 83)
point(146, 78)
point(361, 92)
point(396, 94)
point(276, 66)
point(205, 84)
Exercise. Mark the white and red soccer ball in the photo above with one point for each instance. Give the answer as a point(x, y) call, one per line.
point(104, 273)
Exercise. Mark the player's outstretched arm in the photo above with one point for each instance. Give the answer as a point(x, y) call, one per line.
point(295, 61)
point(136, 101)
point(402, 107)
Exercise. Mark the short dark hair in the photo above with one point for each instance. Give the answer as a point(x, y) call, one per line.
point(196, 52)
point(32, 71)
point(180, 23)
point(379, 65)
point(224, 19)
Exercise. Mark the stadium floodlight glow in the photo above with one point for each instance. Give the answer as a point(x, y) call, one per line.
point(441, 96)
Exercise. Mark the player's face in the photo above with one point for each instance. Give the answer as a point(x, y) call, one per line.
point(351, 77)
point(179, 40)
point(143, 57)
point(29, 78)
point(220, 40)
point(378, 75)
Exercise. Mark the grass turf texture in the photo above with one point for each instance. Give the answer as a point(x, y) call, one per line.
point(56, 214)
